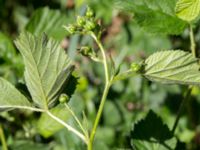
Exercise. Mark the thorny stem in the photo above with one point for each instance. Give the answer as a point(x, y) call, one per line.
point(3, 140)
point(185, 99)
point(105, 92)
point(70, 128)
point(192, 41)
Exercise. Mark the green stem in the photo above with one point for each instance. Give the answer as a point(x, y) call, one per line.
point(185, 99)
point(192, 41)
point(105, 92)
point(100, 110)
point(77, 120)
point(70, 128)
point(3, 140)
point(89, 146)
point(24, 107)
point(124, 75)
point(104, 57)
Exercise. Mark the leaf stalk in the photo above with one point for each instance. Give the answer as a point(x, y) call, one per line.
point(3, 140)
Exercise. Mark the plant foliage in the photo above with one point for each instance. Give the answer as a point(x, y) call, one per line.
point(151, 133)
point(47, 21)
point(47, 67)
point(172, 67)
point(154, 16)
point(11, 97)
point(188, 10)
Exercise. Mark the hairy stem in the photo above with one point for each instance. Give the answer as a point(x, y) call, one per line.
point(192, 41)
point(3, 140)
point(185, 99)
point(70, 128)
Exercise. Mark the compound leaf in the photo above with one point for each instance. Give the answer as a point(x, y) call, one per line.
point(48, 21)
point(188, 10)
point(47, 67)
point(11, 97)
point(172, 67)
point(155, 16)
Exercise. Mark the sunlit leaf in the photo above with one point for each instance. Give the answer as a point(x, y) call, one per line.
point(47, 67)
point(188, 10)
point(172, 67)
point(11, 97)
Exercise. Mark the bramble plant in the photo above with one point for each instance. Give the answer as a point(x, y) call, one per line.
point(49, 73)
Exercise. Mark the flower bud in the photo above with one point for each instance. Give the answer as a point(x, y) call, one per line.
point(64, 98)
point(89, 13)
point(71, 28)
point(135, 67)
point(89, 26)
point(86, 51)
point(80, 21)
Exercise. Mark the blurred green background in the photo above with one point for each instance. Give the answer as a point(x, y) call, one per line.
point(128, 101)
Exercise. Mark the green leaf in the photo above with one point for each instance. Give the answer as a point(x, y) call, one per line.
point(48, 21)
point(152, 145)
point(151, 127)
point(28, 145)
point(11, 97)
point(188, 10)
point(11, 63)
point(7, 50)
point(47, 67)
point(151, 134)
point(48, 126)
point(172, 67)
point(155, 16)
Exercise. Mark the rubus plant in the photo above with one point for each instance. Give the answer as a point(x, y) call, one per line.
point(48, 71)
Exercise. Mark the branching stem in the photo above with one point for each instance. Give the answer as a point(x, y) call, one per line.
point(76, 119)
point(103, 55)
point(108, 83)
point(70, 128)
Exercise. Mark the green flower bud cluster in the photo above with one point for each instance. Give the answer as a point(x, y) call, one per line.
point(83, 24)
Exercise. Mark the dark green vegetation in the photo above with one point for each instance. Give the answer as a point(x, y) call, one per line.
point(54, 75)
